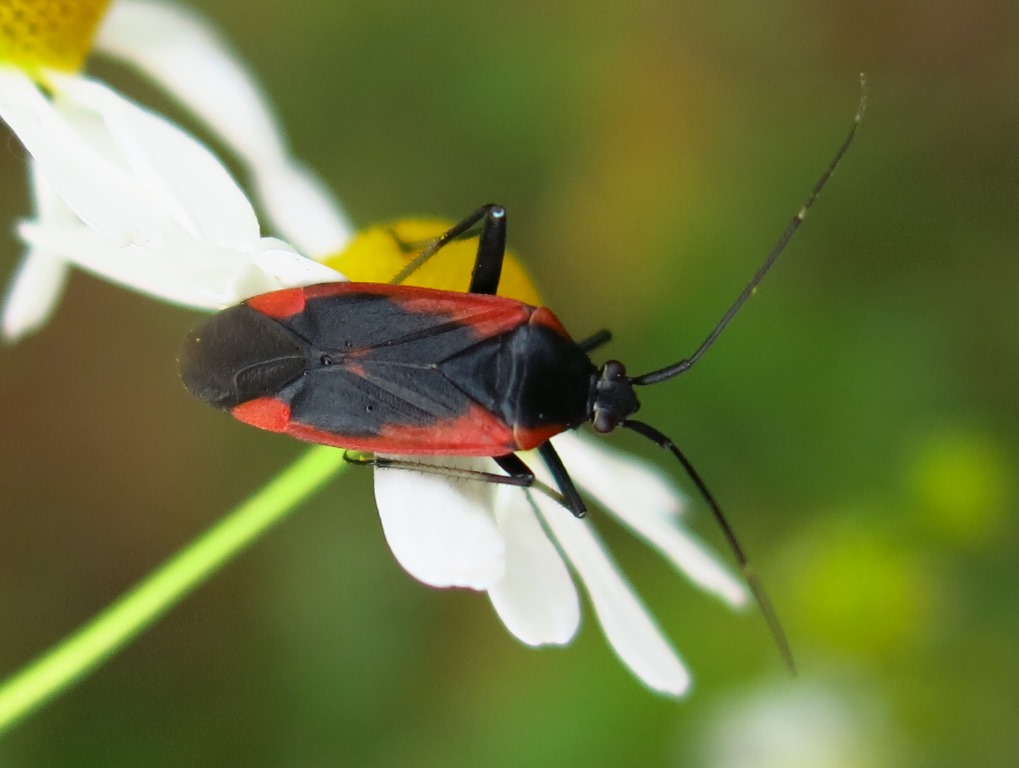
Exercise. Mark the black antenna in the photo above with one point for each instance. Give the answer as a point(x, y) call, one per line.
point(684, 365)
point(749, 575)
point(663, 374)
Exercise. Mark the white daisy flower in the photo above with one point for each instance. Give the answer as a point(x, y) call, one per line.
point(125, 194)
point(122, 192)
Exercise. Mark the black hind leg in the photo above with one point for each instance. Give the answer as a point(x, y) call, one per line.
point(491, 249)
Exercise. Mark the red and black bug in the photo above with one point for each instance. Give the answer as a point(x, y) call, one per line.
point(393, 369)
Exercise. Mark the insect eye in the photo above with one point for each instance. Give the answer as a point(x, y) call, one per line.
point(603, 422)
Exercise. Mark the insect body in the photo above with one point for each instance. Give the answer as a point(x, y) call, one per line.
point(393, 369)
point(396, 369)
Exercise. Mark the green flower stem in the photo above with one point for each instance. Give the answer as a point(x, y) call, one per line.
point(70, 660)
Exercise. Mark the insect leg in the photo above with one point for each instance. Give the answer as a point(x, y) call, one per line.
point(562, 479)
point(569, 496)
point(518, 473)
point(515, 467)
point(523, 480)
point(491, 248)
point(489, 213)
point(595, 340)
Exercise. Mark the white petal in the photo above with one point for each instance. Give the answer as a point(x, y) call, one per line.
point(180, 174)
point(298, 203)
point(179, 50)
point(100, 193)
point(273, 265)
point(33, 293)
point(535, 599)
point(142, 269)
point(49, 206)
point(441, 528)
point(39, 281)
point(181, 271)
point(646, 503)
point(630, 630)
point(289, 268)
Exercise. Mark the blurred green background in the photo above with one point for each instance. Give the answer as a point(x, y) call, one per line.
point(858, 421)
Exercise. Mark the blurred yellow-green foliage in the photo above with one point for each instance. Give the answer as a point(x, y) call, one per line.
point(858, 421)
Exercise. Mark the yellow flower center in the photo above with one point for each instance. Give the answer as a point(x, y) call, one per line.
point(48, 34)
point(377, 254)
